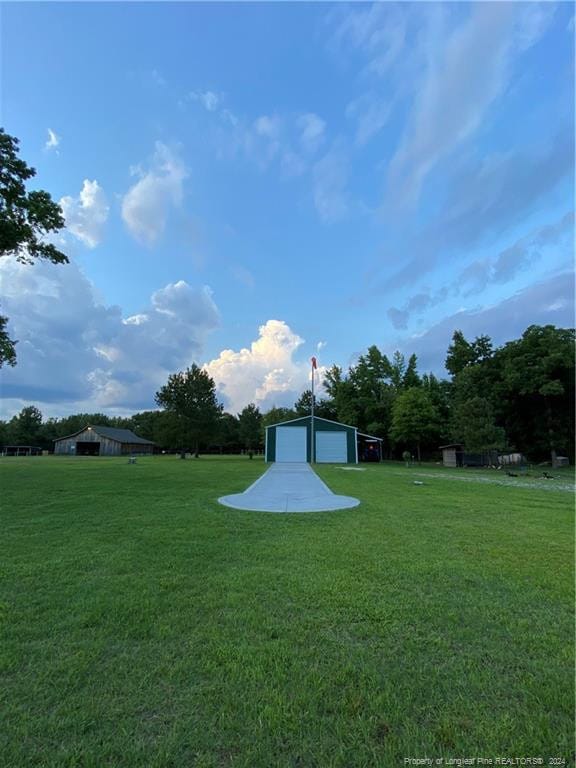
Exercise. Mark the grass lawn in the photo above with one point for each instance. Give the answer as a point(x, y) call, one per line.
point(145, 625)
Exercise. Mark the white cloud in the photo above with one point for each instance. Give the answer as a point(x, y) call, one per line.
point(292, 164)
point(229, 117)
point(330, 177)
point(136, 319)
point(243, 276)
point(507, 186)
point(312, 131)
point(212, 102)
point(285, 142)
point(86, 214)
point(268, 126)
point(146, 205)
point(75, 352)
point(460, 85)
point(265, 374)
point(269, 140)
point(387, 39)
point(378, 30)
point(53, 140)
point(158, 79)
point(371, 113)
point(209, 100)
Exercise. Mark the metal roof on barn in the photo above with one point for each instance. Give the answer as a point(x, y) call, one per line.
point(112, 433)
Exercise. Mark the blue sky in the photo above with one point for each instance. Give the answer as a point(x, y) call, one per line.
point(246, 185)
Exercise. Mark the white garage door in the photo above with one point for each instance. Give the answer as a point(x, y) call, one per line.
point(331, 447)
point(291, 443)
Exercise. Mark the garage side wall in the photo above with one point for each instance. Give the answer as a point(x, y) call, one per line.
point(271, 444)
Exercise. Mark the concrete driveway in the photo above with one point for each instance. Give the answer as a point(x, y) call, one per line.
point(288, 488)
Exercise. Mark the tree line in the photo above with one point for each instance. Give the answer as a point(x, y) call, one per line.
point(517, 397)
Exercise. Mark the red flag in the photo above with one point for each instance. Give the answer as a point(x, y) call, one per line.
point(314, 364)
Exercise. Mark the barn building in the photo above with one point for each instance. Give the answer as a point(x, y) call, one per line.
point(102, 441)
point(332, 442)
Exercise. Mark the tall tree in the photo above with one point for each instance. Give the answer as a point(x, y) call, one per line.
point(343, 395)
point(536, 389)
point(411, 377)
point(303, 406)
point(440, 393)
point(332, 380)
point(462, 353)
point(277, 414)
point(151, 425)
point(398, 370)
point(26, 218)
point(47, 433)
point(325, 409)
point(250, 427)
point(4, 434)
point(190, 398)
point(473, 424)
point(371, 372)
point(364, 396)
point(374, 393)
point(414, 418)
point(24, 429)
point(7, 345)
point(227, 433)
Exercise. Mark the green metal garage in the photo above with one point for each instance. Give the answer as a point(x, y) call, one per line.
point(326, 442)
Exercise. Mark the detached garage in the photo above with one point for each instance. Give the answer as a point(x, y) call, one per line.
point(293, 441)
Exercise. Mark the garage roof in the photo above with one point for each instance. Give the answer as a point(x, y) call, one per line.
point(370, 437)
point(316, 418)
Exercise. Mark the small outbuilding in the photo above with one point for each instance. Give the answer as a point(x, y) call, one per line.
point(369, 447)
point(456, 455)
point(297, 441)
point(103, 441)
point(452, 454)
point(21, 450)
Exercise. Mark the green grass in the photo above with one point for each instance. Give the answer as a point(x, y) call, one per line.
point(145, 625)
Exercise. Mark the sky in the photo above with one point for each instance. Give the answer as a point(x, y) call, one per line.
point(246, 185)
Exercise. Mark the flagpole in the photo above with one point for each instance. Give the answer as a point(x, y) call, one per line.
point(313, 452)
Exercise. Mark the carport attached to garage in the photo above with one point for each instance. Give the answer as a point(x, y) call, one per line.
point(291, 441)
